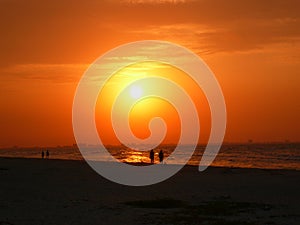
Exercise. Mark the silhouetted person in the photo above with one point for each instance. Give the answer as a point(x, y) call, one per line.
point(152, 156)
point(161, 156)
point(43, 154)
point(47, 154)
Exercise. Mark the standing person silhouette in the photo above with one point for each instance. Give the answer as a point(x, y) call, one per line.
point(152, 156)
point(43, 154)
point(161, 156)
point(47, 154)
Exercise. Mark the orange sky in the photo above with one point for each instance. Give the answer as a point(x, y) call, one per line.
point(252, 47)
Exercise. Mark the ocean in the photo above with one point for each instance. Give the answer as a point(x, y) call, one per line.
point(250, 155)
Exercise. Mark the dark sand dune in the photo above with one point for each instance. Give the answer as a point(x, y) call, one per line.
point(35, 191)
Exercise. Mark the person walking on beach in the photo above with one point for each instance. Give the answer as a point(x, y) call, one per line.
point(152, 156)
point(43, 154)
point(161, 156)
point(47, 154)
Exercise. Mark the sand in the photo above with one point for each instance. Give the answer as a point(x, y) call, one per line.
point(36, 191)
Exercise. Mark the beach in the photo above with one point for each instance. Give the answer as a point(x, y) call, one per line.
point(36, 191)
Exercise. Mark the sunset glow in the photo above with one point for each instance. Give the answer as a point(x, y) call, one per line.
point(46, 47)
point(150, 107)
point(136, 92)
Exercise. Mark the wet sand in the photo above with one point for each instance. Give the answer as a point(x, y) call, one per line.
point(36, 191)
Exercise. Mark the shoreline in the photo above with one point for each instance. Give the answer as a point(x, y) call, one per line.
point(270, 156)
point(148, 164)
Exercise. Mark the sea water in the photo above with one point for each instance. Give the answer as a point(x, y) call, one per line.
point(250, 155)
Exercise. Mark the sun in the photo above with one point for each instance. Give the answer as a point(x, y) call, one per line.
point(136, 92)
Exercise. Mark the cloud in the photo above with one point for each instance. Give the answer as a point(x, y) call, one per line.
point(249, 36)
point(76, 32)
point(59, 73)
point(155, 1)
point(225, 26)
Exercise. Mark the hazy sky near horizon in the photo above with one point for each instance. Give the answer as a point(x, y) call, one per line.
point(252, 46)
